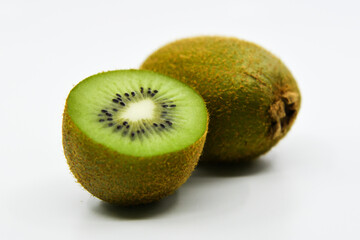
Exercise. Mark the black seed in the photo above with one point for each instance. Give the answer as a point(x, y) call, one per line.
point(115, 100)
point(142, 130)
point(126, 94)
point(109, 119)
point(133, 94)
point(108, 114)
point(129, 99)
point(162, 125)
point(132, 134)
point(172, 105)
point(168, 122)
point(149, 91)
point(110, 124)
point(153, 94)
point(119, 99)
point(122, 104)
point(141, 89)
point(125, 123)
point(165, 106)
point(156, 91)
point(138, 131)
point(115, 110)
point(101, 120)
point(127, 127)
point(118, 95)
point(104, 111)
point(119, 127)
point(155, 124)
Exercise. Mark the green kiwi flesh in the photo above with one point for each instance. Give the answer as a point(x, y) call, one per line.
point(131, 136)
point(252, 97)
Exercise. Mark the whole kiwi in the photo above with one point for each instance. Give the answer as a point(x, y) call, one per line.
point(252, 97)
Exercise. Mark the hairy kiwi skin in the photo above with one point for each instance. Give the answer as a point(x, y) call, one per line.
point(252, 97)
point(126, 180)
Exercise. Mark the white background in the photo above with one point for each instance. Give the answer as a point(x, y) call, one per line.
point(307, 187)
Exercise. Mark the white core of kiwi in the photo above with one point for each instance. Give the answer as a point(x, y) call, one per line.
point(142, 110)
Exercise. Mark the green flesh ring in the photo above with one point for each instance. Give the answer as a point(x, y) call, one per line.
point(132, 137)
point(252, 97)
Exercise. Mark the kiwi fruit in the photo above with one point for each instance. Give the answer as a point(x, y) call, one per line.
point(252, 97)
point(132, 136)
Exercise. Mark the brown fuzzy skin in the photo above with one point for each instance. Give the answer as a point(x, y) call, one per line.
point(126, 180)
point(252, 98)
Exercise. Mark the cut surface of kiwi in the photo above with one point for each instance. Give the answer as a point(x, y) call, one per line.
point(138, 114)
point(133, 136)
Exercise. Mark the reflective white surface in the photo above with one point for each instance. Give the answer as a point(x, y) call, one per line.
point(307, 187)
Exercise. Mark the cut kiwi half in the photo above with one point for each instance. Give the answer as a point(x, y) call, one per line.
point(133, 136)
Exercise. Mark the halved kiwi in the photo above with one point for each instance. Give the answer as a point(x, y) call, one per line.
point(133, 136)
